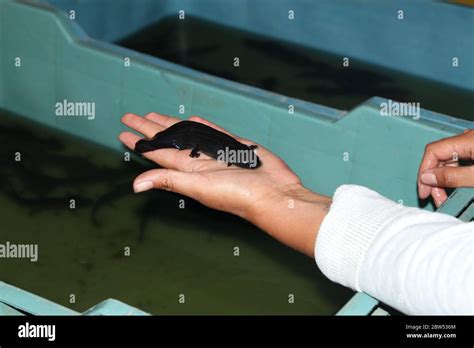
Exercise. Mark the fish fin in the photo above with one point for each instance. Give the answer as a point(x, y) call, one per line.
point(195, 152)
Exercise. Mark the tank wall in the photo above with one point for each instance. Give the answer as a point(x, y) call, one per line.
point(423, 43)
point(58, 63)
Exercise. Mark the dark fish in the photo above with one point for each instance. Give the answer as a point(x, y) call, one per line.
point(42, 204)
point(146, 212)
point(199, 138)
point(121, 190)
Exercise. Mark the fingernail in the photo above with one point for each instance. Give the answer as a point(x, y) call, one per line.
point(428, 178)
point(142, 186)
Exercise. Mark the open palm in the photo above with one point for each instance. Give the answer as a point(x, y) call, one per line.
point(214, 184)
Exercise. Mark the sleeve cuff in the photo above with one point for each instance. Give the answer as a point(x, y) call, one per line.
point(356, 216)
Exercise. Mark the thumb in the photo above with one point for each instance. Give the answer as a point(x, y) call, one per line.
point(449, 177)
point(166, 179)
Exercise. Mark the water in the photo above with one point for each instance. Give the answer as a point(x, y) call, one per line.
point(172, 251)
point(291, 70)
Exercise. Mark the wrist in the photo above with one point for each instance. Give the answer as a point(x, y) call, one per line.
point(292, 215)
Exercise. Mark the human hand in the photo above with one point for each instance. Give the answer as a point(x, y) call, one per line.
point(440, 168)
point(260, 195)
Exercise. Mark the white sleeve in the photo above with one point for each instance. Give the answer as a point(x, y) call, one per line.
point(416, 261)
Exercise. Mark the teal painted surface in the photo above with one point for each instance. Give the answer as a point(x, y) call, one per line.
point(468, 214)
point(460, 204)
point(423, 43)
point(60, 62)
point(359, 304)
point(12, 298)
point(30, 303)
point(113, 307)
point(7, 310)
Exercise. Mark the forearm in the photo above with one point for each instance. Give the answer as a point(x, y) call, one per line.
point(416, 261)
point(292, 216)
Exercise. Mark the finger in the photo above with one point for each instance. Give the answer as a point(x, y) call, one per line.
point(142, 125)
point(169, 180)
point(163, 120)
point(439, 195)
point(449, 177)
point(450, 164)
point(129, 139)
point(448, 149)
